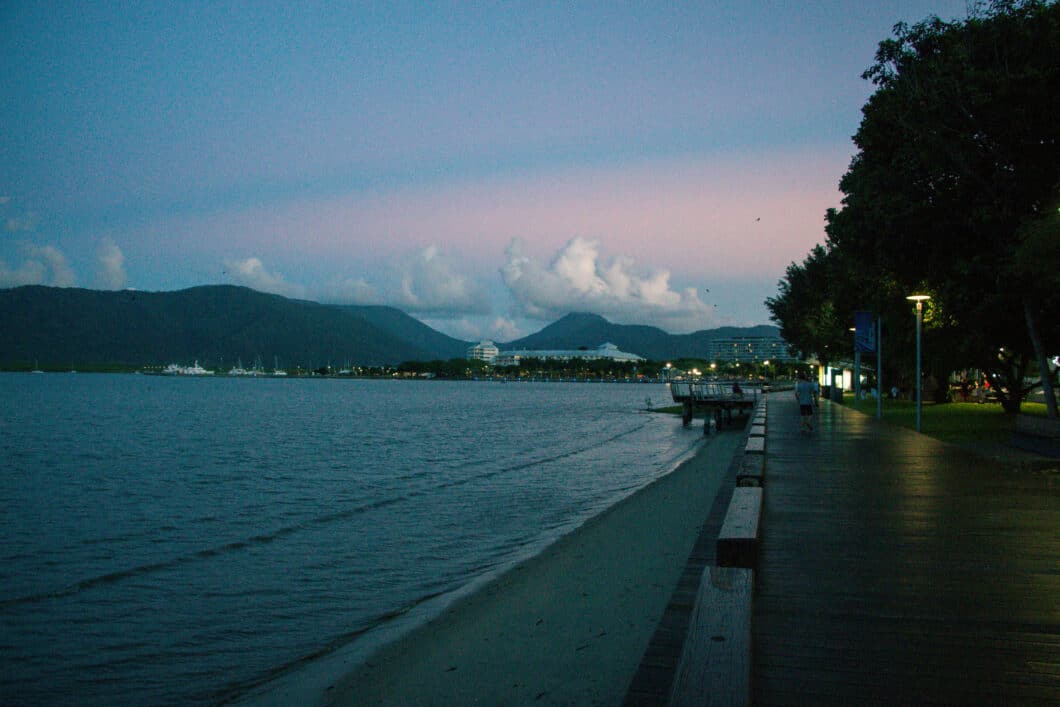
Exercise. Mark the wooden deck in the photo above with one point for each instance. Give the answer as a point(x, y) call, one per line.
point(895, 569)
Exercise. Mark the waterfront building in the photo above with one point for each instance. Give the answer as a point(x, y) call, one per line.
point(749, 349)
point(606, 351)
point(483, 351)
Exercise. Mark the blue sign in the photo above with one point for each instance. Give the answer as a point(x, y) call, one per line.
point(864, 332)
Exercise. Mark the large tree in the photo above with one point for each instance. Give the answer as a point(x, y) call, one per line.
point(957, 179)
point(805, 307)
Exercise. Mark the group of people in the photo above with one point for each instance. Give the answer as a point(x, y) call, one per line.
point(972, 391)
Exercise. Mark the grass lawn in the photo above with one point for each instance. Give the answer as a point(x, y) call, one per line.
point(969, 424)
point(959, 423)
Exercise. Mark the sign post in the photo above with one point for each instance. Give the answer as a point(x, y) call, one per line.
point(879, 368)
point(864, 342)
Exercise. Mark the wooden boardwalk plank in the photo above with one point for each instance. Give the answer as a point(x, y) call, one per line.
point(894, 569)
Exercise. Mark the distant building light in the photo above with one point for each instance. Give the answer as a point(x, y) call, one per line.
point(749, 349)
point(606, 351)
point(483, 351)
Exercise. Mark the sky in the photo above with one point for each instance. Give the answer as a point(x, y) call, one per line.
point(485, 167)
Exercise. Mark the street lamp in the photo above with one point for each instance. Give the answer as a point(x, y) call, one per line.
point(919, 299)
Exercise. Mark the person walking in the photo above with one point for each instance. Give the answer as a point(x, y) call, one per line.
point(806, 392)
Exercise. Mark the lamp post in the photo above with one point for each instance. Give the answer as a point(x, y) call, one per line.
point(919, 299)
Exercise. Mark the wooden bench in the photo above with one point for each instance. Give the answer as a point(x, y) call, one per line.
point(1040, 435)
point(752, 470)
point(715, 663)
point(738, 539)
point(755, 445)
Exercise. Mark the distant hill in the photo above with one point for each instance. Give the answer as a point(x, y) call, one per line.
point(579, 329)
point(219, 325)
point(410, 330)
point(214, 324)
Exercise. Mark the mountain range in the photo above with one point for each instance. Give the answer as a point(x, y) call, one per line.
point(220, 325)
point(580, 329)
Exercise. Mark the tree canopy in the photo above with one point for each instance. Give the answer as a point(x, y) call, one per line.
point(954, 191)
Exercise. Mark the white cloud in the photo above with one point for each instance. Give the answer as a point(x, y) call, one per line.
point(42, 265)
point(431, 283)
point(477, 328)
point(252, 273)
point(350, 290)
point(26, 223)
point(427, 283)
point(579, 279)
point(110, 274)
point(463, 328)
point(62, 274)
point(31, 272)
point(502, 329)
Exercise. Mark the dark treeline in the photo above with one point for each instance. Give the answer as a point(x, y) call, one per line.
point(954, 193)
point(602, 369)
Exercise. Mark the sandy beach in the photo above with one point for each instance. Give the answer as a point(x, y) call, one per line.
point(566, 627)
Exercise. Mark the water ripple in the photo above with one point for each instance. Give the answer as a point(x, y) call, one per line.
point(289, 518)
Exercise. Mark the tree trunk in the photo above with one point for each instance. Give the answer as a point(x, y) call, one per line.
point(1039, 353)
point(1009, 388)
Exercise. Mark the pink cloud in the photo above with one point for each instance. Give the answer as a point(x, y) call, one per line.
point(742, 214)
point(734, 217)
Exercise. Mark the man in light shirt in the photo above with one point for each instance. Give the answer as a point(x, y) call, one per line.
point(806, 392)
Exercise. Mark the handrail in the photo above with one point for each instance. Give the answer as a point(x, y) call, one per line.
point(709, 391)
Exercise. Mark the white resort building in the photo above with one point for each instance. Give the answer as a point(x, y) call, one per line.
point(603, 351)
point(483, 351)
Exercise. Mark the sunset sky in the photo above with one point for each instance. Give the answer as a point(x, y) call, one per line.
point(486, 167)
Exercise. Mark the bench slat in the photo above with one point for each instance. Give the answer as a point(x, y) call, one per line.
point(715, 664)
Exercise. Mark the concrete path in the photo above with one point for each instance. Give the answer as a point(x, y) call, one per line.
point(895, 569)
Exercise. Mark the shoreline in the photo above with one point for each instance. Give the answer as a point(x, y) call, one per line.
point(568, 625)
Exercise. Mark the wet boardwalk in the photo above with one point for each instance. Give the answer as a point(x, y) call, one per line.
point(897, 570)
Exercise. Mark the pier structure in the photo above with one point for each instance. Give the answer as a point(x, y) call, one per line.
point(720, 400)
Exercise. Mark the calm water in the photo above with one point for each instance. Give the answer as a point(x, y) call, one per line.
point(183, 539)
